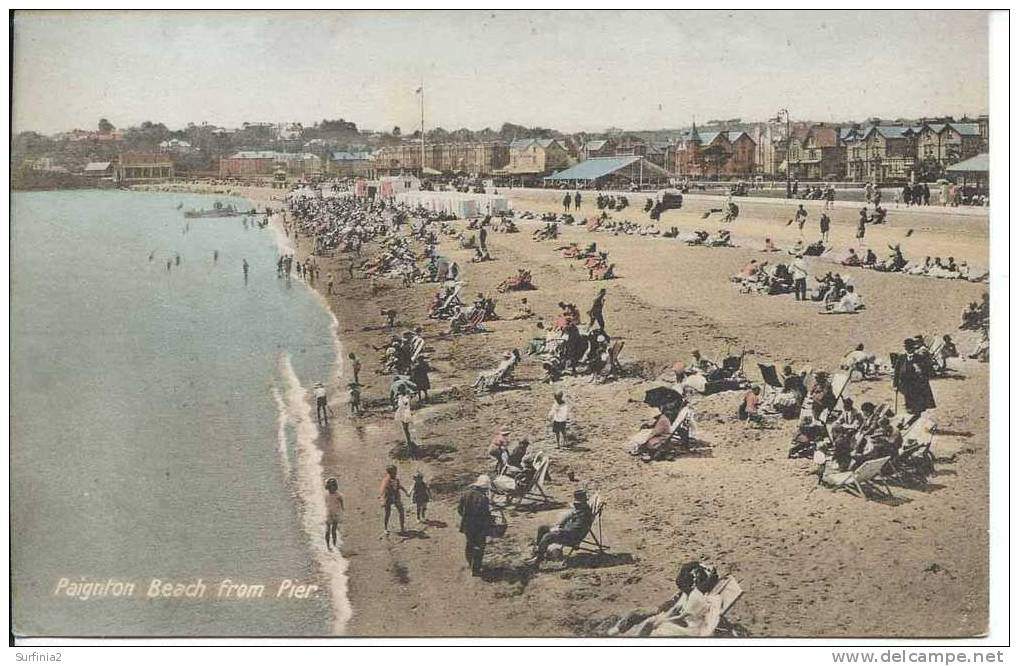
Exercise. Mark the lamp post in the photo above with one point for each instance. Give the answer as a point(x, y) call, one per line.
point(788, 146)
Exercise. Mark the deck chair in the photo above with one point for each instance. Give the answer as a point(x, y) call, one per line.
point(915, 461)
point(534, 493)
point(693, 614)
point(676, 435)
point(771, 381)
point(865, 477)
point(452, 299)
point(594, 542)
point(839, 383)
point(613, 367)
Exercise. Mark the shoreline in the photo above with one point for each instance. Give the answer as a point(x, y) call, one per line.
point(296, 410)
point(659, 515)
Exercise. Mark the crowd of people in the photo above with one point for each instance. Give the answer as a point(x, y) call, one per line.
point(387, 241)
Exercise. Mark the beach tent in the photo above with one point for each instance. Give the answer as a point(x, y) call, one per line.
point(460, 204)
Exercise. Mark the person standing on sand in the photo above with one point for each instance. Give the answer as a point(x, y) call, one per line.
point(355, 367)
point(559, 415)
point(596, 313)
point(498, 451)
point(329, 283)
point(483, 238)
point(321, 404)
point(404, 417)
point(419, 375)
point(334, 508)
point(576, 202)
point(389, 493)
point(801, 218)
point(799, 271)
point(825, 226)
point(566, 203)
point(861, 226)
point(354, 400)
point(475, 521)
point(420, 495)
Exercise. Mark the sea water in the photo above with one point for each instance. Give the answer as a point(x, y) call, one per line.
point(160, 424)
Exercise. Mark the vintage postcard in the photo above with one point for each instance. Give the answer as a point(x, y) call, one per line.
point(521, 324)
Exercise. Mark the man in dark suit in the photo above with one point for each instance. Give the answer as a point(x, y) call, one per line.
point(476, 521)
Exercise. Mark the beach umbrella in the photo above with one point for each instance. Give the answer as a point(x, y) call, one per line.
point(661, 395)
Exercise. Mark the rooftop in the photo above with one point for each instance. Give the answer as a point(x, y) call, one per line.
point(976, 164)
point(966, 129)
point(348, 156)
point(599, 167)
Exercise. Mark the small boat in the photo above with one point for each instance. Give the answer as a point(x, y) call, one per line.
point(218, 210)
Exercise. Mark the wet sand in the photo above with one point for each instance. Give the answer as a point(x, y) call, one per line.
point(811, 562)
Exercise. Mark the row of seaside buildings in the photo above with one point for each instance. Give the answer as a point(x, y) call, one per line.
point(876, 152)
point(815, 152)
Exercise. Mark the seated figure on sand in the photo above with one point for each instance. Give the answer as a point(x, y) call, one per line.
point(852, 259)
point(697, 609)
point(570, 531)
point(808, 435)
point(849, 303)
point(722, 238)
point(862, 363)
point(698, 237)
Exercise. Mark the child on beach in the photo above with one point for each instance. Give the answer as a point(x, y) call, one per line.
point(355, 398)
point(334, 507)
point(389, 493)
point(403, 417)
point(559, 415)
point(355, 367)
point(420, 495)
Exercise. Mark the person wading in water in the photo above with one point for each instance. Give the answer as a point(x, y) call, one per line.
point(334, 508)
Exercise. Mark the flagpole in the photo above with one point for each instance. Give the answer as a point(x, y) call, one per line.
point(422, 89)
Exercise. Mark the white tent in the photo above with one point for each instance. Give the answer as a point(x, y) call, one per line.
point(460, 204)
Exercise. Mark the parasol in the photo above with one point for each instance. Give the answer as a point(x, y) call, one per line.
point(662, 395)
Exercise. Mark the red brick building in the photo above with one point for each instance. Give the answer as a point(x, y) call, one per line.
point(248, 163)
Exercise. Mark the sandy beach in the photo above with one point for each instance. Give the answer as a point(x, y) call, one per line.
point(811, 562)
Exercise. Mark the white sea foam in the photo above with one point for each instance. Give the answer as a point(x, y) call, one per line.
point(283, 242)
point(282, 421)
point(308, 479)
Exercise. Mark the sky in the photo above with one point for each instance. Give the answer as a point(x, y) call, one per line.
point(573, 71)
